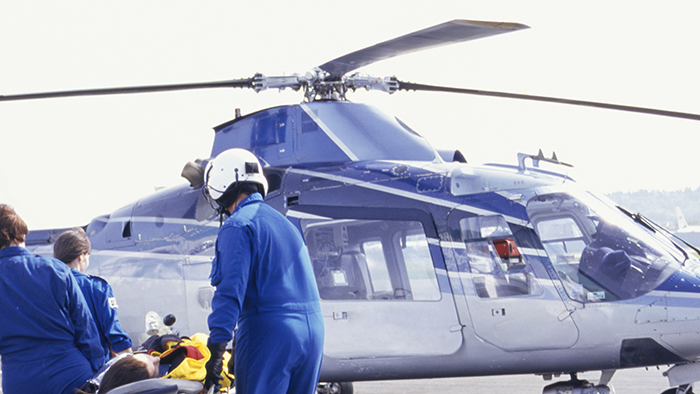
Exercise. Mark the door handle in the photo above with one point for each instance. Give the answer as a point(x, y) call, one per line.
point(340, 315)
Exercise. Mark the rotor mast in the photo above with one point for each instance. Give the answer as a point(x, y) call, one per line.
point(317, 86)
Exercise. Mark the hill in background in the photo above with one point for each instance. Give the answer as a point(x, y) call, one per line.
point(660, 206)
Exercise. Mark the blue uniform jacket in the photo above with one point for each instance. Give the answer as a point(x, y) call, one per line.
point(261, 265)
point(43, 310)
point(103, 306)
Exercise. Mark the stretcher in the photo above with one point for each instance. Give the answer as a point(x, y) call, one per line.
point(160, 386)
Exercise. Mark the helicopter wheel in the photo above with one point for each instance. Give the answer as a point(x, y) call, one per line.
point(335, 388)
point(674, 390)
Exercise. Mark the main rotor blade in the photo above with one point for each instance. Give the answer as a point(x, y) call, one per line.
point(445, 33)
point(235, 83)
point(617, 107)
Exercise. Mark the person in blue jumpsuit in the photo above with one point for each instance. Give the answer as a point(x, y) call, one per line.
point(264, 284)
point(73, 248)
point(48, 340)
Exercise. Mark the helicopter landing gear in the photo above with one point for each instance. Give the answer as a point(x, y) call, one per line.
point(335, 388)
point(682, 389)
point(576, 386)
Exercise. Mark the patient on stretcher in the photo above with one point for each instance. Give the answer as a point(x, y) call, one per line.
point(129, 369)
point(167, 356)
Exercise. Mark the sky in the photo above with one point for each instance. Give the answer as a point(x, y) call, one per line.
point(65, 161)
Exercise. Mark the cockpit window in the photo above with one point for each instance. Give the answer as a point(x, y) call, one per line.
point(598, 252)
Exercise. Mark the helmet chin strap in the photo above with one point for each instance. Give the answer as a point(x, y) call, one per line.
point(222, 211)
point(227, 199)
point(220, 208)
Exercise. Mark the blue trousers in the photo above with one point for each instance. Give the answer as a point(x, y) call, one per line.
point(278, 353)
point(49, 373)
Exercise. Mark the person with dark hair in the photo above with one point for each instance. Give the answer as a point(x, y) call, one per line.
point(129, 369)
point(73, 248)
point(265, 286)
point(175, 359)
point(48, 340)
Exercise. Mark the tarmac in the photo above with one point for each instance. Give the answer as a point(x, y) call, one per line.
point(629, 381)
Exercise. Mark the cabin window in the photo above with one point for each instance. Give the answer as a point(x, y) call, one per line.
point(376, 264)
point(419, 267)
point(492, 256)
point(372, 260)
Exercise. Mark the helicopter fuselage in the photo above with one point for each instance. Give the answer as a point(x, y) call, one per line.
point(425, 268)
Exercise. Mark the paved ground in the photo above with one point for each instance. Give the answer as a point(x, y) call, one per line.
point(632, 381)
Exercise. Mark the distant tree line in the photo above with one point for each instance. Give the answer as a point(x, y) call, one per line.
point(660, 206)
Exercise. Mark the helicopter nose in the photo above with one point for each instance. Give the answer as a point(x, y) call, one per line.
point(676, 300)
point(685, 280)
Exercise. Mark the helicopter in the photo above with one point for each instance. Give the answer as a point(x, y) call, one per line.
point(427, 266)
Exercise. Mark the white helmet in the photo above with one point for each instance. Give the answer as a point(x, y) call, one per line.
point(230, 167)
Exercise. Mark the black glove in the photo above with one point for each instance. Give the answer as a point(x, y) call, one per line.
point(215, 365)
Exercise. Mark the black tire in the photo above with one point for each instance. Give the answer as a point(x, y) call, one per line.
point(673, 390)
point(347, 388)
point(335, 388)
